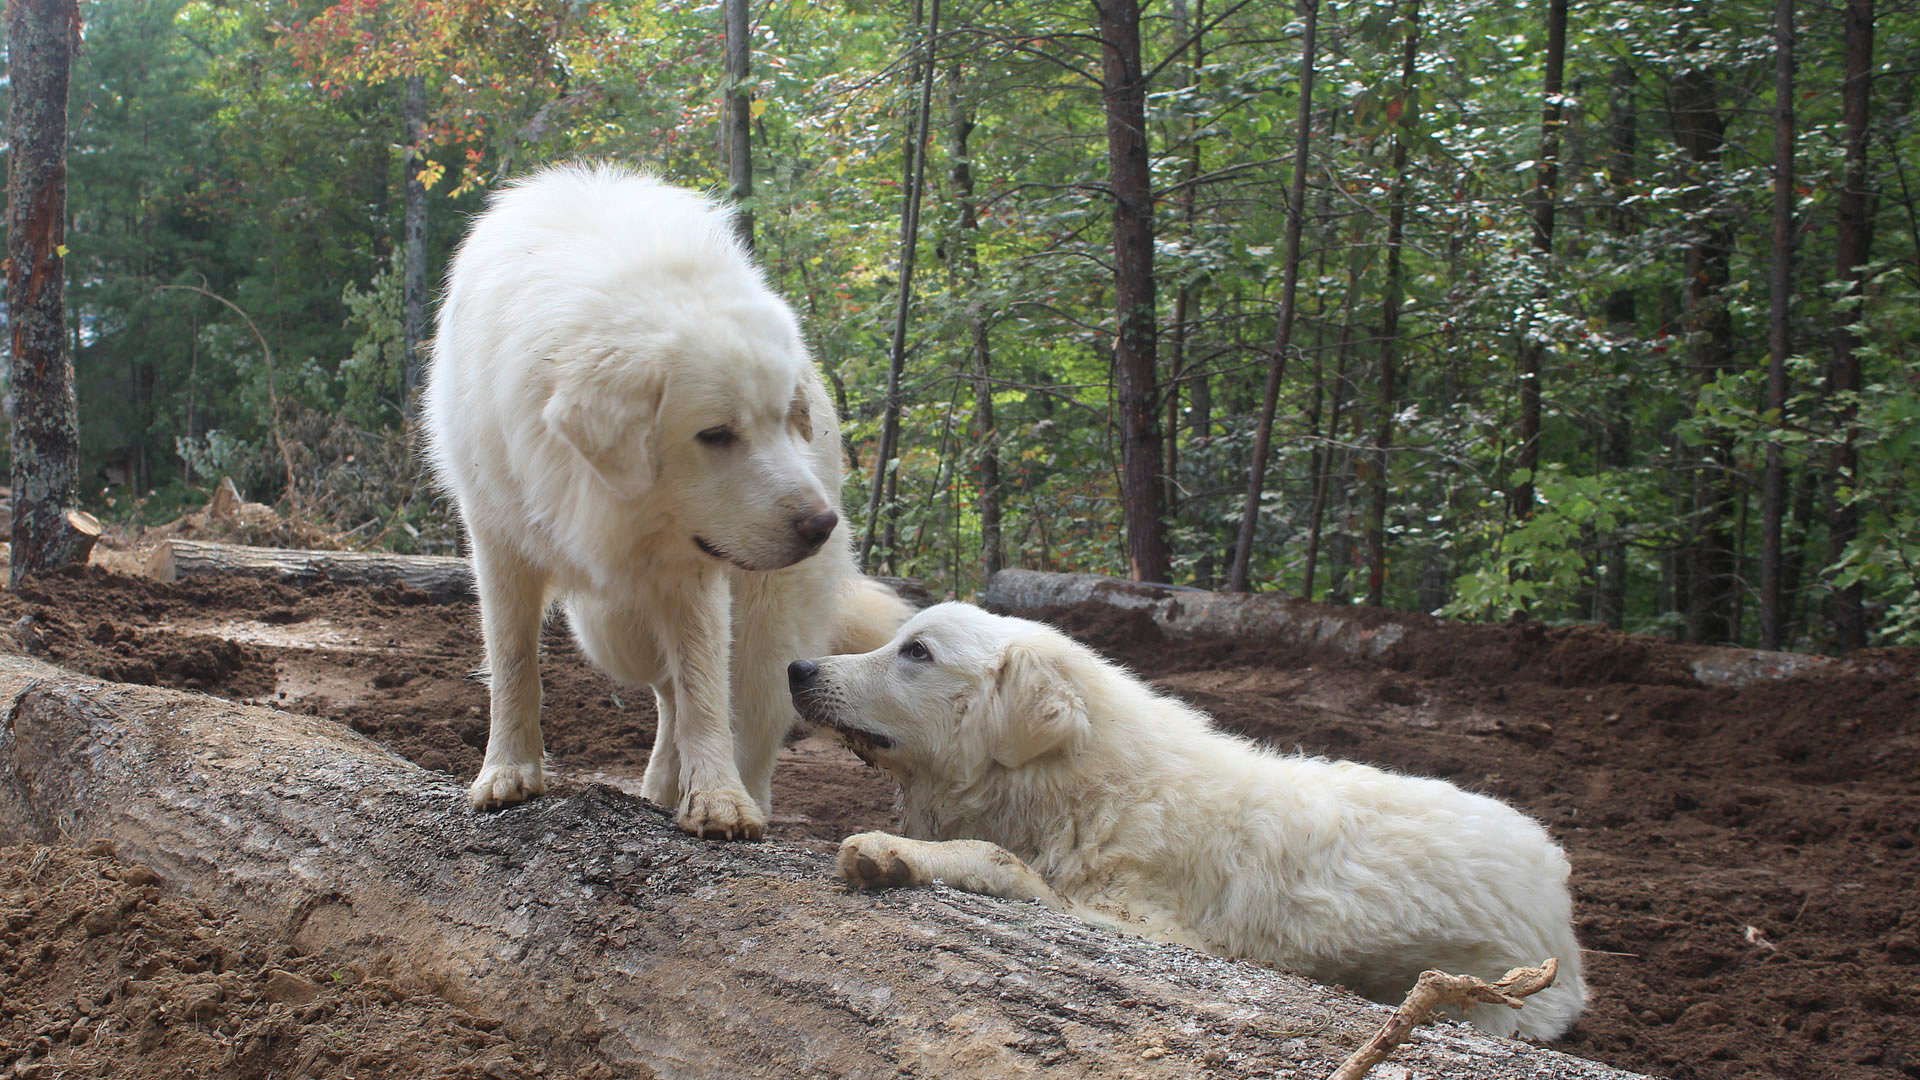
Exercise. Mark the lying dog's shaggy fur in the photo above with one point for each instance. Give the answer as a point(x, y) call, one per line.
point(630, 423)
point(1032, 768)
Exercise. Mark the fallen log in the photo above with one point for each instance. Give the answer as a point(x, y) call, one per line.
point(443, 578)
point(1372, 633)
point(603, 934)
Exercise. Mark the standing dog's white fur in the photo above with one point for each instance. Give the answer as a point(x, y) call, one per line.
point(1076, 785)
point(631, 423)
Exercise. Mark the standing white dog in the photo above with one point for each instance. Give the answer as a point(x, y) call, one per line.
point(630, 423)
point(1034, 769)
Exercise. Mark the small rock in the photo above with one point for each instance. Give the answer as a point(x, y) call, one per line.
point(200, 1002)
point(287, 987)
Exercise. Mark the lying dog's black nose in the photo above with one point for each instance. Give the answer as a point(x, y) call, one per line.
point(801, 672)
point(815, 528)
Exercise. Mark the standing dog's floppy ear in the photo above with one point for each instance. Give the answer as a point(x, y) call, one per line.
point(1039, 707)
point(607, 412)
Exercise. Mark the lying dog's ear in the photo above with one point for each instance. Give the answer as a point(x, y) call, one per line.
point(1039, 706)
point(607, 412)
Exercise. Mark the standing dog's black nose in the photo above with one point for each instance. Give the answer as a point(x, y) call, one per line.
point(801, 672)
point(815, 528)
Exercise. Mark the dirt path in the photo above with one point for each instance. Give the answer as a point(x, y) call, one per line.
point(1745, 860)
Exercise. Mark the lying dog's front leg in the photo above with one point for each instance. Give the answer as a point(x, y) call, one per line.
point(713, 802)
point(878, 860)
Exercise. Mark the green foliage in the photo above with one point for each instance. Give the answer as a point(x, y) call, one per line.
point(253, 150)
point(372, 378)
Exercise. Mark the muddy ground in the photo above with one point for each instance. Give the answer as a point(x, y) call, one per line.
point(1745, 868)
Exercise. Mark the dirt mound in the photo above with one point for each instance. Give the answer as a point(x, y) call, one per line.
point(1745, 860)
point(105, 973)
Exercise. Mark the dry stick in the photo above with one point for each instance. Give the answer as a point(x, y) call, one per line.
point(1437, 988)
point(273, 397)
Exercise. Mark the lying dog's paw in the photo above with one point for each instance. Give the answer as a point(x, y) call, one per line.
point(875, 860)
point(504, 785)
point(722, 815)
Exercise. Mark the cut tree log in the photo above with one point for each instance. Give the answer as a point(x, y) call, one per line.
point(444, 578)
point(603, 934)
point(1373, 633)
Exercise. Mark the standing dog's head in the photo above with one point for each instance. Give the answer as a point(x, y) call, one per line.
point(706, 426)
point(957, 694)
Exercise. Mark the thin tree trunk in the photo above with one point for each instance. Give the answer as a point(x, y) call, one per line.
point(1616, 439)
point(1324, 472)
point(1199, 394)
point(1700, 130)
point(41, 35)
point(960, 129)
point(413, 110)
point(738, 114)
point(1124, 88)
point(1289, 290)
point(1794, 569)
point(1390, 332)
point(1854, 245)
point(1773, 615)
point(1546, 185)
point(883, 481)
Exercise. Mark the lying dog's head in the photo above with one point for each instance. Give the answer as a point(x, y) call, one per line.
point(956, 694)
point(707, 431)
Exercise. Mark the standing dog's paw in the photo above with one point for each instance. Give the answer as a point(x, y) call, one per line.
point(504, 785)
point(722, 815)
point(875, 860)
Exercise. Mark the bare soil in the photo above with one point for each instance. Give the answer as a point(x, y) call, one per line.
point(1746, 876)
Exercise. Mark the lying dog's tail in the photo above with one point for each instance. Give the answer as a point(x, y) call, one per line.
point(869, 614)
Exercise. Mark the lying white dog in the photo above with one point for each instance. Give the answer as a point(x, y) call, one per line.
point(630, 423)
point(1034, 769)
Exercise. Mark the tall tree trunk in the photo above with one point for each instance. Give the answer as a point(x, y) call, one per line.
point(884, 483)
point(1700, 130)
point(1546, 185)
point(1773, 614)
point(738, 114)
point(41, 35)
point(960, 124)
point(1854, 245)
point(1124, 88)
point(1390, 331)
point(1289, 291)
point(413, 115)
point(1622, 313)
point(1186, 27)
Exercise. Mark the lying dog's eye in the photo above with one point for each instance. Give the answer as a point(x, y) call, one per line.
point(717, 436)
point(916, 650)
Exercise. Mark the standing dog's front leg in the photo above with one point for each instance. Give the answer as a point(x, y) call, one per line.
point(513, 599)
point(713, 802)
point(878, 860)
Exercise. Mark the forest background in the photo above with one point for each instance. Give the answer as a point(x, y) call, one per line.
point(1603, 314)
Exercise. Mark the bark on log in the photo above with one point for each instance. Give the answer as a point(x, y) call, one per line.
point(605, 934)
point(1184, 613)
point(445, 579)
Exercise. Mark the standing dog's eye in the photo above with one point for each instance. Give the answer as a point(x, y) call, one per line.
point(916, 650)
point(717, 436)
